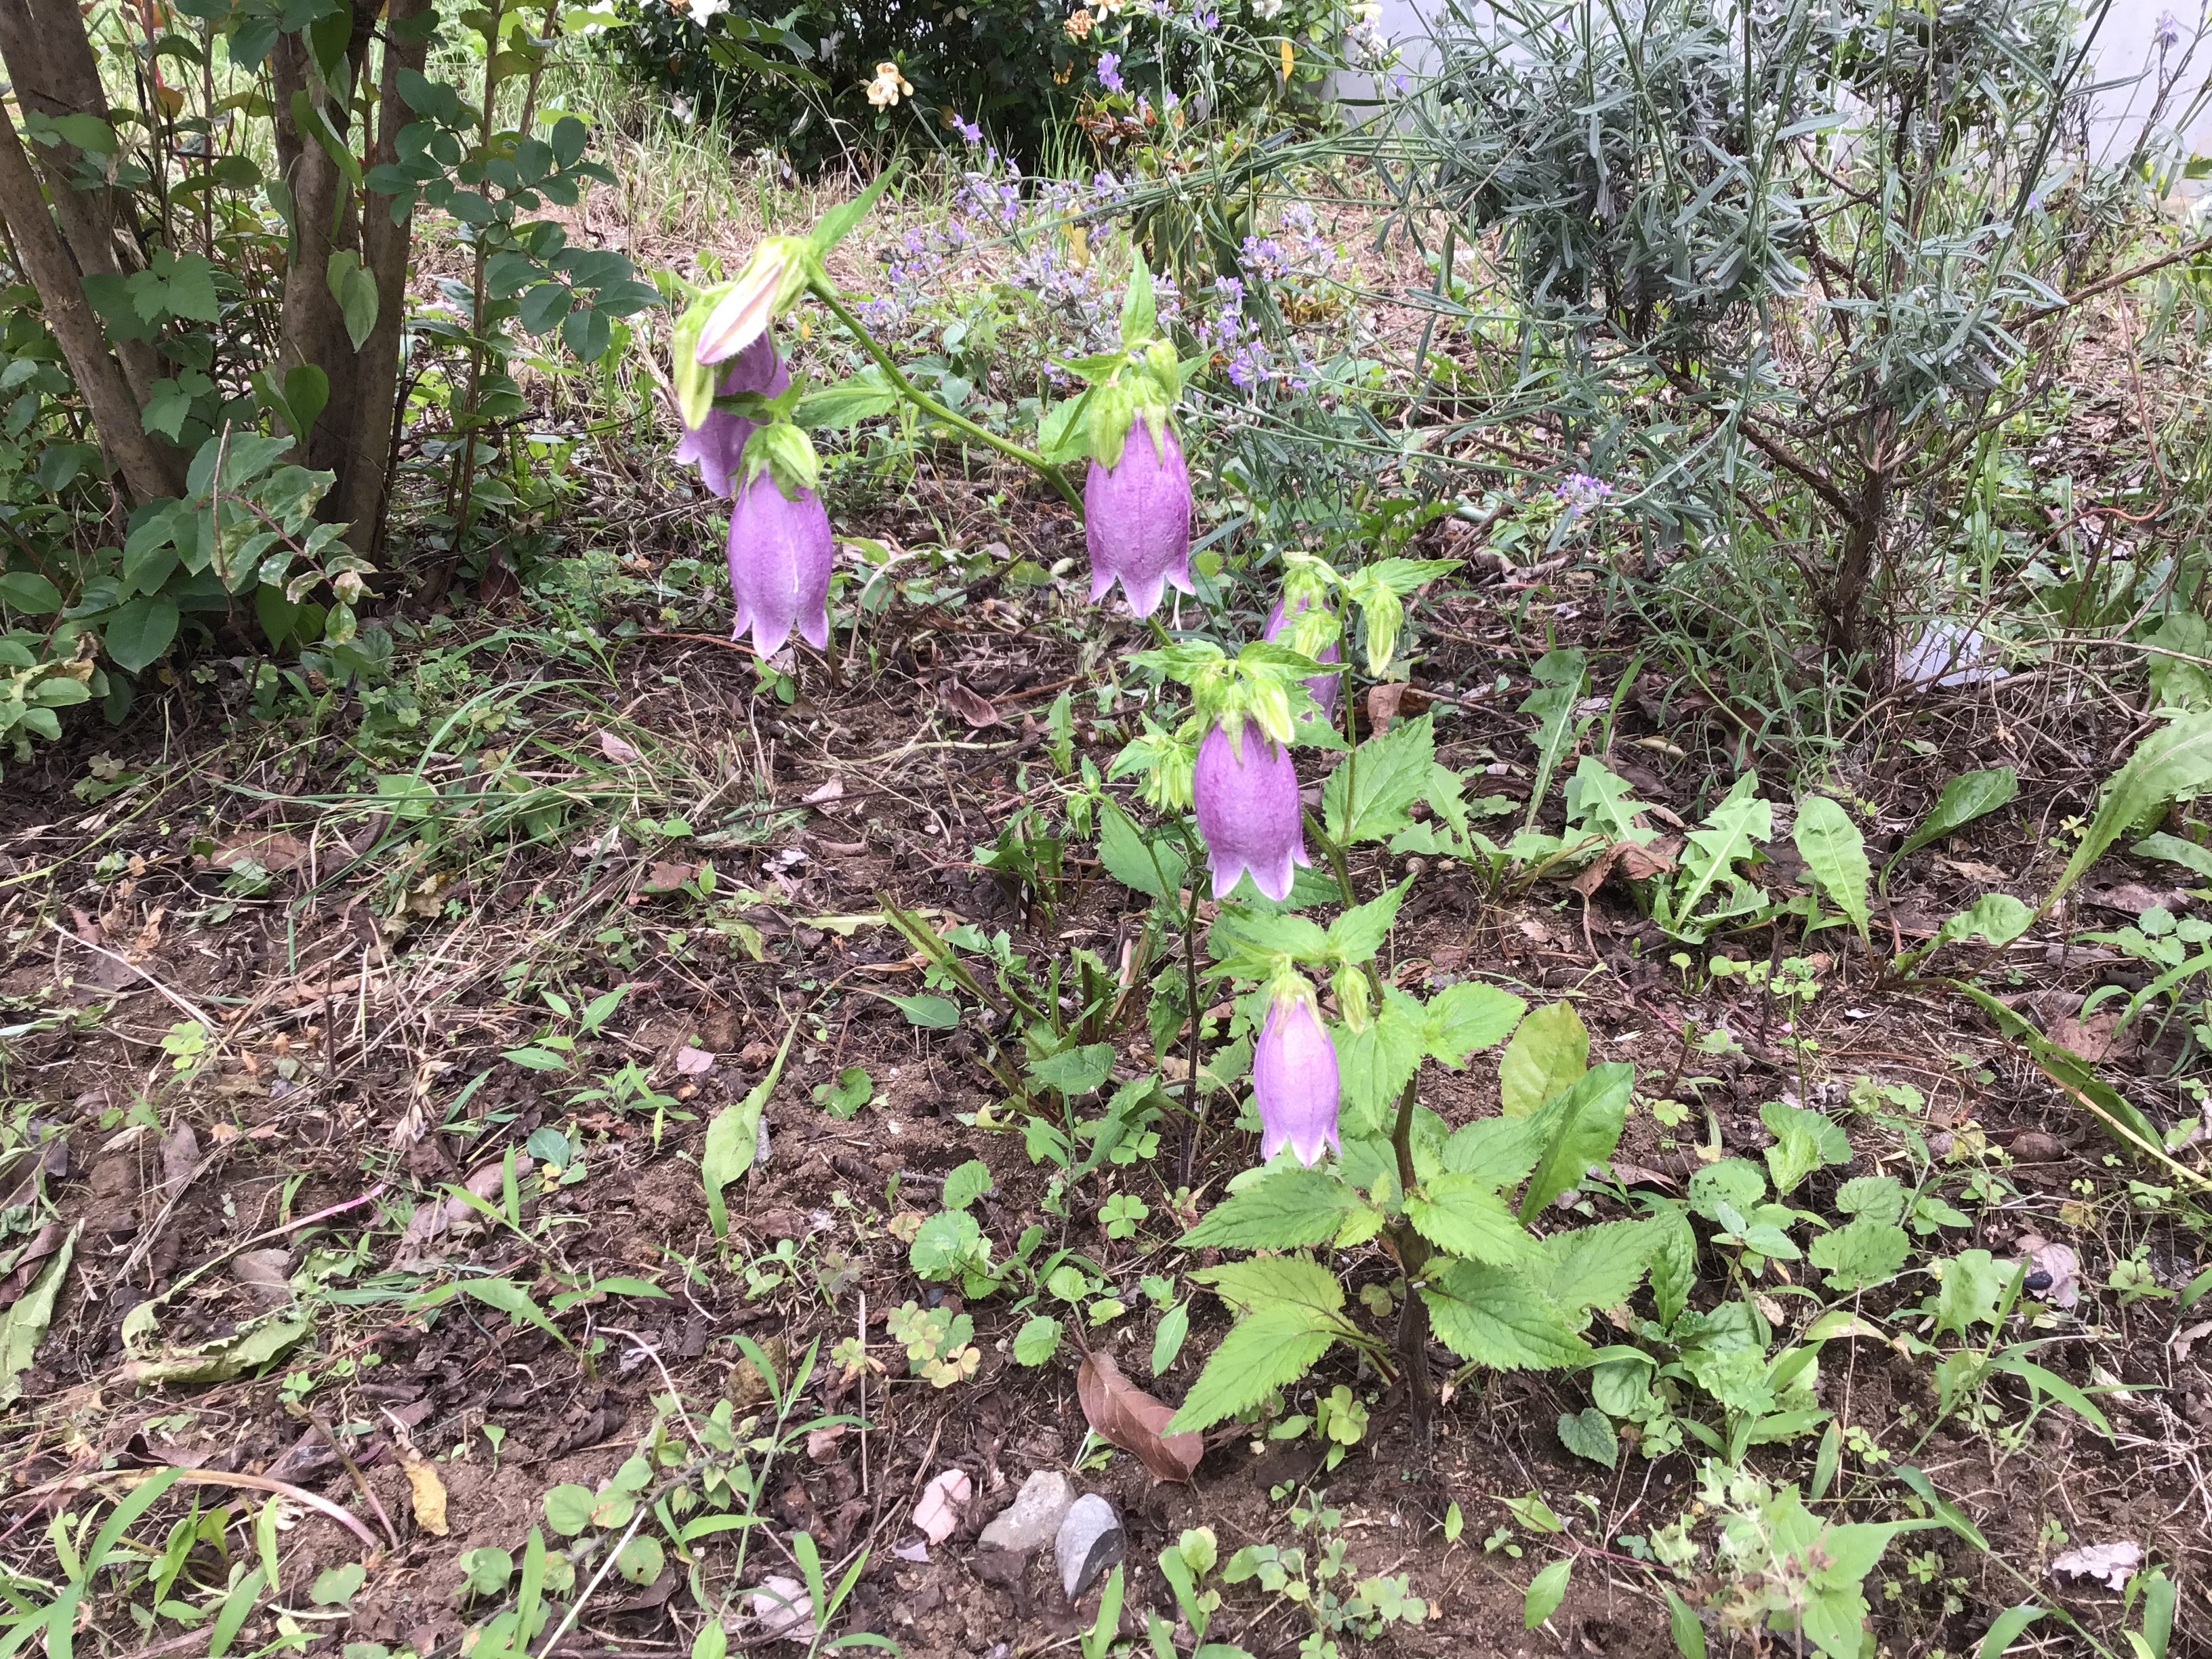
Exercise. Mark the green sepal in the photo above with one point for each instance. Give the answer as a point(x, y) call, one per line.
point(786, 453)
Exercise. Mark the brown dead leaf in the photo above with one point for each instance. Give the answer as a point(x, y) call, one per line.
point(821, 1443)
point(1382, 704)
point(1626, 858)
point(668, 877)
point(832, 791)
point(976, 709)
point(2093, 1038)
point(1125, 1416)
point(693, 1062)
point(44, 1243)
point(1983, 875)
point(276, 852)
point(936, 1512)
point(429, 1493)
point(616, 750)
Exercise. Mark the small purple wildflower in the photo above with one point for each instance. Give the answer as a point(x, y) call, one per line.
point(1581, 492)
point(2169, 30)
point(1110, 71)
point(970, 131)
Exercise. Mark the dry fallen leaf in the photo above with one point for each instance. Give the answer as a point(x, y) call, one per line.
point(2059, 1261)
point(936, 1512)
point(429, 1495)
point(821, 1443)
point(783, 1608)
point(975, 709)
point(1386, 701)
point(1625, 859)
point(1125, 1416)
point(833, 790)
point(668, 877)
point(693, 1062)
point(2183, 1340)
point(2111, 1563)
point(2093, 1038)
point(1983, 875)
point(616, 750)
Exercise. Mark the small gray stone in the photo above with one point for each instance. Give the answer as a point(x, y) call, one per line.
point(1089, 1541)
point(1032, 1520)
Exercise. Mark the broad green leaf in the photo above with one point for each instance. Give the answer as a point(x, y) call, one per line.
point(1075, 1072)
point(1496, 1316)
point(1154, 868)
point(568, 1508)
point(1972, 1285)
point(1358, 934)
point(1581, 1127)
point(2172, 848)
point(1803, 1141)
point(1560, 675)
point(1269, 1349)
point(1674, 1264)
point(1462, 1018)
point(1835, 852)
point(1994, 918)
point(137, 635)
point(23, 1326)
point(733, 1138)
point(1248, 1286)
point(1168, 1340)
point(1598, 1267)
point(1374, 1065)
point(966, 1183)
point(1589, 1433)
point(1863, 1252)
point(1682, 1625)
point(1877, 1198)
point(1501, 1150)
point(29, 592)
point(355, 289)
point(1731, 832)
point(1037, 1341)
point(1545, 1591)
point(2173, 760)
point(1548, 1054)
point(1463, 1214)
point(1294, 1207)
point(1969, 796)
point(834, 408)
point(1370, 796)
point(930, 1012)
point(945, 1245)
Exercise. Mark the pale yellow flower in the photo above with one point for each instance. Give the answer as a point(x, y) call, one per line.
point(888, 86)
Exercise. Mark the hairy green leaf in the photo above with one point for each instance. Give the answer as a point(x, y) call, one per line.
point(1269, 1349)
point(1581, 1127)
point(1598, 1267)
point(1548, 1053)
point(1294, 1207)
point(1463, 1214)
point(1497, 1316)
point(1462, 1018)
point(1246, 1286)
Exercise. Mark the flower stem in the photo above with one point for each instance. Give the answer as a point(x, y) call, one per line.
point(1028, 458)
point(1412, 1252)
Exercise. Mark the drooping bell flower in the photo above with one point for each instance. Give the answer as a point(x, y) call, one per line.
point(779, 555)
point(1246, 796)
point(1294, 1080)
point(717, 444)
point(1137, 519)
point(1323, 687)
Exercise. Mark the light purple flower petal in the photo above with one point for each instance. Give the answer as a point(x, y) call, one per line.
point(1323, 687)
point(1137, 520)
point(779, 556)
point(1248, 812)
point(717, 444)
point(1294, 1082)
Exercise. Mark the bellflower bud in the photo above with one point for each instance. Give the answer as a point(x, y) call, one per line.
point(1294, 1078)
point(1322, 687)
point(1246, 795)
point(717, 444)
point(1137, 519)
point(769, 286)
point(780, 558)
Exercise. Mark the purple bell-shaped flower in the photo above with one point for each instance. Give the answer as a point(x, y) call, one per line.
point(717, 444)
point(1294, 1081)
point(1136, 518)
point(1248, 811)
point(1323, 687)
point(779, 555)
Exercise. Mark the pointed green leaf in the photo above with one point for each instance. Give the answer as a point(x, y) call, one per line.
point(1835, 852)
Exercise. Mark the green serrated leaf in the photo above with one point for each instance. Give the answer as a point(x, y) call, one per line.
point(1269, 1349)
point(1582, 1126)
point(1287, 1210)
point(1371, 795)
point(1590, 1433)
point(1464, 1214)
point(1598, 1267)
point(1497, 1316)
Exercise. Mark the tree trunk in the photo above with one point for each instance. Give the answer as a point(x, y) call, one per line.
point(149, 470)
point(366, 479)
point(50, 60)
